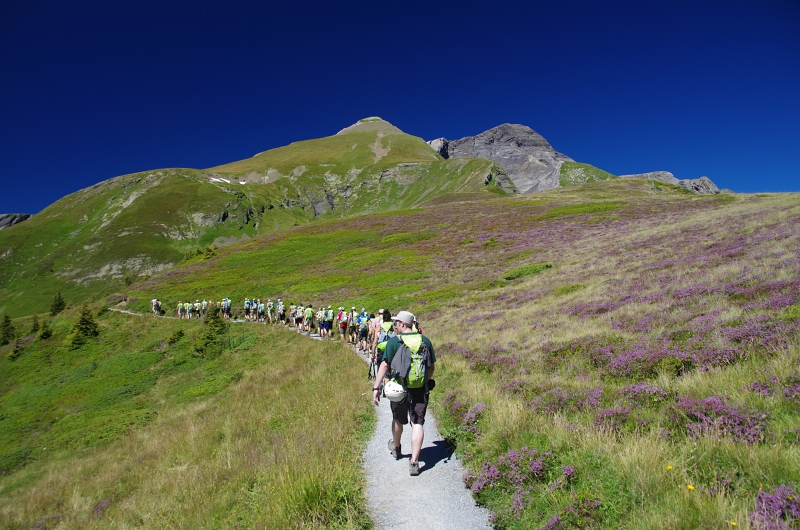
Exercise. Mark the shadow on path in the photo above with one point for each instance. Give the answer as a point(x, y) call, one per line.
point(431, 456)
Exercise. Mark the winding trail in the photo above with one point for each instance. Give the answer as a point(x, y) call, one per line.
point(435, 500)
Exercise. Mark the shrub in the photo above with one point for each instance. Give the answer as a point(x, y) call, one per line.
point(58, 305)
point(34, 324)
point(214, 327)
point(175, 337)
point(518, 471)
point(526, 270)
point(776, 511)
point(709, 416)
point(45, 332)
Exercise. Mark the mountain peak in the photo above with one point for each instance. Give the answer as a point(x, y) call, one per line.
point(373, 123)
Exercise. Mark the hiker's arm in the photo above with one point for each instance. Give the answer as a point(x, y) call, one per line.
point(376, 393)
point(431, 368)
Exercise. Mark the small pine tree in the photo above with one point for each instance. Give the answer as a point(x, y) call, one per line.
point(86, 325)
point(58, 305)
point(45, 332)
point(213, 327)
point(34, 324)
point(8, 333)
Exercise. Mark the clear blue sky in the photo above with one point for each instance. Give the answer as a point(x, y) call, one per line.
point(95, 89)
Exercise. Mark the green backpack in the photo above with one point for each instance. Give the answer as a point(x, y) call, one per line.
point(411, 360)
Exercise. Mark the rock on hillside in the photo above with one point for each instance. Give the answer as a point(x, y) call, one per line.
point(530, 161)
point(8, 219)
point(703, 185)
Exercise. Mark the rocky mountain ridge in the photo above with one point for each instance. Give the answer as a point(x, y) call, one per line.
point(533, 164)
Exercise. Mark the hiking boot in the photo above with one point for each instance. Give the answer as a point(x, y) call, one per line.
point(394, 451)
point(413, 468)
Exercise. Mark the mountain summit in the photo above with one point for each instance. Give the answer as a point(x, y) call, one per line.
point(529, 159)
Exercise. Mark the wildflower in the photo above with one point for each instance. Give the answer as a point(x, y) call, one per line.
point(733, 523)
point(691, 488)
point(669, 468)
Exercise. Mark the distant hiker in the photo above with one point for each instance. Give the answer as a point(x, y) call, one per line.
point(153, 305)
point(308, 318)
point(270, 311)
point(352, 326)
point(341, 319)
point(281, 312)
point(363, 331)
point(180, 309)
point(329, 322)
point(384, 333)
point(409, 360)
point(205, 306)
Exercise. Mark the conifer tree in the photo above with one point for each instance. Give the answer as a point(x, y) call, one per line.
point(58, 305)
point(34, 324)
point(208, 339)
point(8, 333)
point(86, 325)
point(45, 332)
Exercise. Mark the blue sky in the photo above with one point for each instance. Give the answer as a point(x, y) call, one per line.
point(92, 90)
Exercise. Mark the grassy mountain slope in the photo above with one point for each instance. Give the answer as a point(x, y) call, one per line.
point(135, 428)
point(91, 242)
point(579, 173)
point(636, 352)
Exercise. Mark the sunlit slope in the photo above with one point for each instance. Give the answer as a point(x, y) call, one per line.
point(601, 347)
point(137, 417)
point(92, 240)
point(126, 228)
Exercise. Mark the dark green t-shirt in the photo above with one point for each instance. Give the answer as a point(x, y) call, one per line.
point(394, 343)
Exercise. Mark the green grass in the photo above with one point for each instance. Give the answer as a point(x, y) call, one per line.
point(128, 418)
point(531, 350)
point(525, 270)
point(573, 173)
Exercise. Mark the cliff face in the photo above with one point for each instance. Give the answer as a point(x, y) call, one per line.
point(529, 159)
point(8, 219)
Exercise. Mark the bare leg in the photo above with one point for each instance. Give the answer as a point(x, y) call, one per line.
point(397, 432)
point(417, 436)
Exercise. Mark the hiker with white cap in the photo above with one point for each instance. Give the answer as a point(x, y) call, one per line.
point(409, 361)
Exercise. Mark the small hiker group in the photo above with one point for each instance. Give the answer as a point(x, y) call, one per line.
point(196, 309)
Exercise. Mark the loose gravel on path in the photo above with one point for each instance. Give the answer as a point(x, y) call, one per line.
point(436, 499)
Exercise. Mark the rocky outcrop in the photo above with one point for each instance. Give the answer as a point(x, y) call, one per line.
point(703, 185)
point(530, 161)
point(9, 219)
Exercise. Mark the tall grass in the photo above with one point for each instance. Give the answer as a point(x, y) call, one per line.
point(269, 446)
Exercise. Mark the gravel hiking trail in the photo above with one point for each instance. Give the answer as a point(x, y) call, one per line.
point(436, 499)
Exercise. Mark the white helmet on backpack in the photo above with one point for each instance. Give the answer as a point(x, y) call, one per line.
point(394, 391)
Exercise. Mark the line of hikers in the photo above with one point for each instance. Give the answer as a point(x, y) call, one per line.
point(354, 327)
point(402, 359)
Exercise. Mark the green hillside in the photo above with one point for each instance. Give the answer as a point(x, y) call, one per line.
point(135, 427)
point(578, 173)
point(641, 345)
point(96, 240)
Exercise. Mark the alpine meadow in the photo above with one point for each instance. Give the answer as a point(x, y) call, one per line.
point(611, 352)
